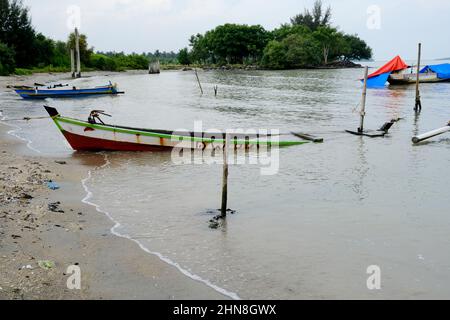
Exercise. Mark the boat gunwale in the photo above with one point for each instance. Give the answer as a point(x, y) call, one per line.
point(411, 78)
point(165, 134)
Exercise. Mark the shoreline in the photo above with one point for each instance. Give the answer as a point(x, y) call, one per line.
point(64, 75)
point(70, 232)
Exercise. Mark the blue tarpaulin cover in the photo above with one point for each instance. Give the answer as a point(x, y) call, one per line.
point(442, 70)
point(378, 81)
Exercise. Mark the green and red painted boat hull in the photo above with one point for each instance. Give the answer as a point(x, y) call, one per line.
point(85, 136)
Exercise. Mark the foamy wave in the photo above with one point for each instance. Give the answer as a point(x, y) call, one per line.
point(117, 225)
point(15, 131)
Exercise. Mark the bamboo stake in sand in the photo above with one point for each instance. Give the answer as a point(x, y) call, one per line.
point(198, 80)
point(223, 209)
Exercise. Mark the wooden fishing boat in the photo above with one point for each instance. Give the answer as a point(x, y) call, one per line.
point(411, 78)
point(38, 93)
point(95, 135)
point(429, 74)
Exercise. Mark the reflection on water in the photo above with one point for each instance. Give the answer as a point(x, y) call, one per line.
point(361, 170)
point(309, 231)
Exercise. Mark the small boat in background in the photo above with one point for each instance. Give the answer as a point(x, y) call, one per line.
point(95, 135)
point(429, 74)
point(74, 92)
point(397, 72)
point(411, 78)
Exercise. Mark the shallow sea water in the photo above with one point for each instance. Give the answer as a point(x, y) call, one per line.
point(309, 231)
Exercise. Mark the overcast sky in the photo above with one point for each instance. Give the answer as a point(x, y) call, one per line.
point(390, 27)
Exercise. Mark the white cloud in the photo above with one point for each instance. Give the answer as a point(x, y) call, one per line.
point(204, 8)
point(124, 9)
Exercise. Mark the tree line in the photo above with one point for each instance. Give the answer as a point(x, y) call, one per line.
point(23, 49)
point(309, 40)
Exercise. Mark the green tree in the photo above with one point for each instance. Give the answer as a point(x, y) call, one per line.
point(357, 48)
point(274, 56)
point(317, 17)
point(200, 45)
point(230, 43)
point(301, 51)
point(137, 62)
point(295, 51)
point(44, 51)
point(102, 62)
point(286, 30)
point(328, 38)
point(7, 63)
point(61, 56)
point(85, 51)
point(183, 57)
point(17, 32)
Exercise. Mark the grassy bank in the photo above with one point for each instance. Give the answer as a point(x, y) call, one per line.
point(48, 69)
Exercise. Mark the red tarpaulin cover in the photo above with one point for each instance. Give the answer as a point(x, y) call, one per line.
point(394, 65)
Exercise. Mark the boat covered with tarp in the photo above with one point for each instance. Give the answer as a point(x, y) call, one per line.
point(95, 135)
point(74, 92)
point(381, 76)
point(429, 74)
point(442, 71)
point(397, 72)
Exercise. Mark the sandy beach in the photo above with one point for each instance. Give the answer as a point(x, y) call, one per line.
point(38, 224)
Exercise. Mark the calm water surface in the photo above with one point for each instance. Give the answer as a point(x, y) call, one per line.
point(309, 231)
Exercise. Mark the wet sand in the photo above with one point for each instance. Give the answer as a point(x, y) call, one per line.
point(31, 231)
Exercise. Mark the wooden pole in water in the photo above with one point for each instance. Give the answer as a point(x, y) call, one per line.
point(431, 134)
point(364, 98)
point(198, 80)
point(154, 67)
point(418, 105)
point(72, 62)
point(224, 208)
point(77, 49)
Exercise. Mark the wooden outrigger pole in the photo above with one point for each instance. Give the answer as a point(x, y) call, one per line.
point(369, 133)
point(364, 99)
point(224, 206)
point(418, 106)
point(431, 134)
